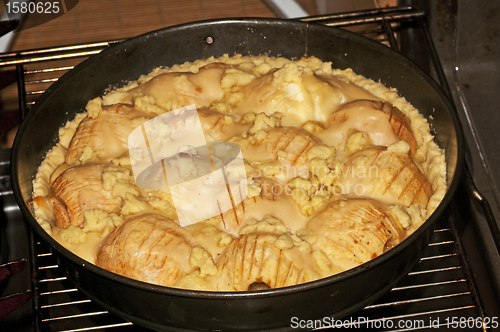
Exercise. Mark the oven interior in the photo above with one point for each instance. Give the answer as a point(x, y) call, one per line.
point(457, 278)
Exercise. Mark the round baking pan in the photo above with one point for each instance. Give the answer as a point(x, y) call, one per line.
point(164, 308)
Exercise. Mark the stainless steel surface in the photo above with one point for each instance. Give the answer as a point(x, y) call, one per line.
point(14, 245)
point(467, 38)
point(473, 67)
point(440, 287)
point(466, 34)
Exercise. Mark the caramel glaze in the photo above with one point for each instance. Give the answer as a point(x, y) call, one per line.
point(349, 229)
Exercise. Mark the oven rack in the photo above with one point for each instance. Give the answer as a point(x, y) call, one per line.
point(440, 287)
point(436, 290)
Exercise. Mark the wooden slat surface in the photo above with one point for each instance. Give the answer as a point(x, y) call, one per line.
point(97, 20)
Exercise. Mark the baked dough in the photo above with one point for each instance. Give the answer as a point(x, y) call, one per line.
point(334, 170)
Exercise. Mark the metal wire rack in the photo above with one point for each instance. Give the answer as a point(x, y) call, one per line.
point(438, 292)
